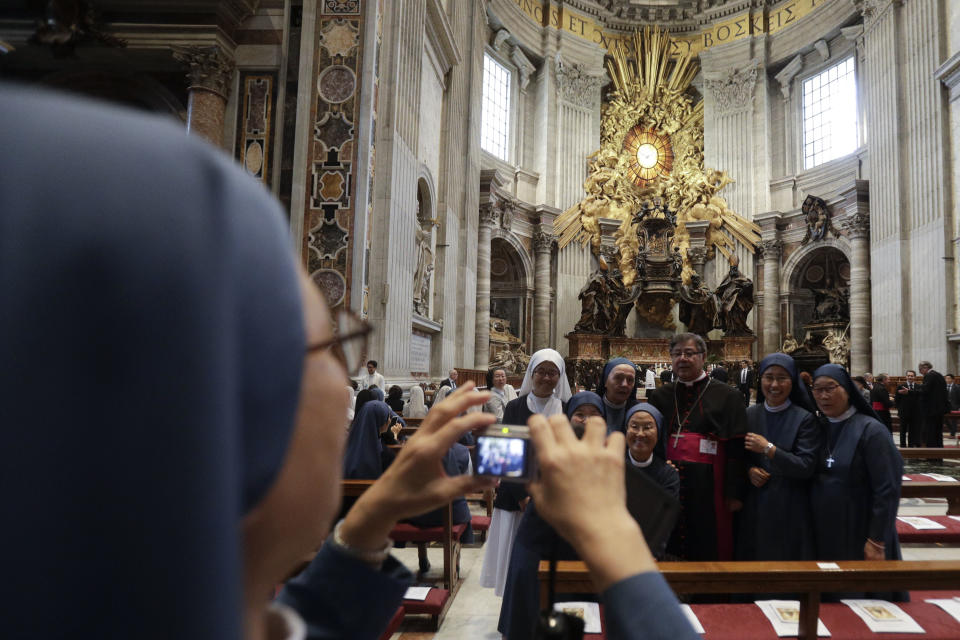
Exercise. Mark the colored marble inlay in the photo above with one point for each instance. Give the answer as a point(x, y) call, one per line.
point(255, 122)
point(329, 213)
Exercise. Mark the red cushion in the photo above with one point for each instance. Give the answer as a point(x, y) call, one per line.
point(404, 532)
point(950, 535)
point(395, 622)
point(480, 523)
point(432, 606)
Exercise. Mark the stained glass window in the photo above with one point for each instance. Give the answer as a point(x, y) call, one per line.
point(829, 114)
point(495, 122)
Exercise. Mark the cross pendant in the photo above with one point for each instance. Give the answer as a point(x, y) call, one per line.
point(830, 462)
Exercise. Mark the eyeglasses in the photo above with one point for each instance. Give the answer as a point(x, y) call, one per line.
point(778, 379)
point(350, 343)
point(686, 353)
point(546, 373)
point(825, 390)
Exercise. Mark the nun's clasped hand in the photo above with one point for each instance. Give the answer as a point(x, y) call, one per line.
point(415, 482)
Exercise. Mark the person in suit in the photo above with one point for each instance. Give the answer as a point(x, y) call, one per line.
point(451, 380)
point(720, 374)
point(666, 376)
point(933, 404)
point(953, 399)
point(908, 408)
point(745, 381)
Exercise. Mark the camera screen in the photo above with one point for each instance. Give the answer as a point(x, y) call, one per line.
point(503, 457)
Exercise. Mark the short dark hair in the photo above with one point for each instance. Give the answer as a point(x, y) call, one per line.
point(490, 373)
point(909, 371)
point(683, 338)
point(372, 362)
point(925, 363)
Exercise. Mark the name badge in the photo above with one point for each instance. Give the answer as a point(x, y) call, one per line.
point(708, 446)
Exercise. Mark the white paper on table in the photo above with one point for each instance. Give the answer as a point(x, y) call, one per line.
point(692, 617)
point(784, 615)
point(881, 616)
point(590, 613)
point(416, 593)
point(957, 518)
point(920, 523)
point(939, 477)
point(828, 566)
point(906, 478)
point(950, 605)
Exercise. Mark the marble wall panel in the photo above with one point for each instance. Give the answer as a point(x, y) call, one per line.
point(255, 122)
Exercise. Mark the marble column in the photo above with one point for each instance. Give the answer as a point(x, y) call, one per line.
point(858, 231)
point(771, 296)
point(210, 73)
point(543, 241)
point(488, 217)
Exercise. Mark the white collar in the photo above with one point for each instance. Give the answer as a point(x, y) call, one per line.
point(640, 465)
point(843, 416)
point(777, 409)
point(703, 374)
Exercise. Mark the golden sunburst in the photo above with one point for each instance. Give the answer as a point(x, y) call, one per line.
point(650, 155)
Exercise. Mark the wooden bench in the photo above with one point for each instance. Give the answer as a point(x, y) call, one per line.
point(948, 490)
point(950, 534)
point(928, 453)
point(438, 602)
point(804, 578)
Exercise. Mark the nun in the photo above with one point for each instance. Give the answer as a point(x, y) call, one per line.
point(855, 491)
point(618, 387)
point(545, 390)
point(366, 458)
point(782, 445)
point(535, 541)
point(415, 406)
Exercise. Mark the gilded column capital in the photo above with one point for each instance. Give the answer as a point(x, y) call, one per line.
point(857, 225)
point(544, 238)
point(208, 68)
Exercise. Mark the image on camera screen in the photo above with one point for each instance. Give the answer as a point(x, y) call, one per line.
point(501, 457)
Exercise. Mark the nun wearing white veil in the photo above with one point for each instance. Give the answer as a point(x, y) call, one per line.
point(545, 390)
point(416, 407)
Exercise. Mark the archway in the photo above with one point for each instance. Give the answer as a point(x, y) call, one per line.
point(511, 295)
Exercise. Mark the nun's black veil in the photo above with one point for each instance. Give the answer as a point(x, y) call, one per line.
point(151, 348)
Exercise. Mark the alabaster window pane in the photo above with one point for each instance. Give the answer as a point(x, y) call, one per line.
point(495, 122)
point(830, 114)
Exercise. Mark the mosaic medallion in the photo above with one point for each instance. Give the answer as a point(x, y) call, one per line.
point(342, 7)
point(336, 84)
point(332, 284)
point(330, 239)
point(253, 157)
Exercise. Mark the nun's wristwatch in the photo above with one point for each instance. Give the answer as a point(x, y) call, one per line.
point(767, 448)
point(374, 558)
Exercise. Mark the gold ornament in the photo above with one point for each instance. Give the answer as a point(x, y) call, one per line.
point(651, 147)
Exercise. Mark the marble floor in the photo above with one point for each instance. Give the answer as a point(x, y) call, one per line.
point(475, 610)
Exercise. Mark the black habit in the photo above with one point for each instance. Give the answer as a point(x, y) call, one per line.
point(776, 523)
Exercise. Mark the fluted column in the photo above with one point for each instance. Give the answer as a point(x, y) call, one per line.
point(771, 295)
point(209, 72)
point(543, 240)
point(488, 217)
point(858, 231)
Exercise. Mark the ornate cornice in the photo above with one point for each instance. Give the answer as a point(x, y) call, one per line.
point(873, 10)
point(578, 87)
point(209, 68)
point(770, 249)
point(734, 92)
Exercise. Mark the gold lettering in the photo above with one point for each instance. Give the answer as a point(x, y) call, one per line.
point(756, 23)
point(723, 29)
point(555, 18)
point(739, 25)
point(538, 14)
point(790, 16)
point(707, 39)
point(527, 7)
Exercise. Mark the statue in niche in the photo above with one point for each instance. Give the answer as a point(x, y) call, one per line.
point(735, 299)
point(698, 306)
point(421, 276)
point(831, 303)
point(790, 344)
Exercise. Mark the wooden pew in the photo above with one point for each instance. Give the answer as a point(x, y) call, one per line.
point(437, 605)
point(952, 453)
point(803, 578)
point(948, 490)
